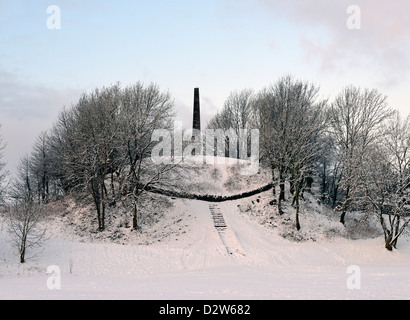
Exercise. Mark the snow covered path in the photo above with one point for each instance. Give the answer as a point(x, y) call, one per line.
point(198, 266)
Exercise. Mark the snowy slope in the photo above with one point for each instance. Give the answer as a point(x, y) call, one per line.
point(192, 262)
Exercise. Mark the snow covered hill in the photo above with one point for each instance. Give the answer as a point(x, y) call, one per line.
point(187, 254)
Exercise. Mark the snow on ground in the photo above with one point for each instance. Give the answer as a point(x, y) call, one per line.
point(188, 260)
point(217, 176)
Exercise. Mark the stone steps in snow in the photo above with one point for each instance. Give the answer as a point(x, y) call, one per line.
point(227, 237)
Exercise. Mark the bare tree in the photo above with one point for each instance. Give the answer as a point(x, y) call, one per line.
point(100, 147)
point(144, 109)
point(291, 123)
point(80, 150)
point(356, 119)
point(385, 180)
point(236, 115)
point(306, 145)
point(40, 167)
point(272, 122)
point(25, 226)
point(25, 216)
point(96, 141)
point(62, 146)
point(327, 172)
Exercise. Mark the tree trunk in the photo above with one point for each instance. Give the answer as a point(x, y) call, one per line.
point(274, 182)
point(292, 186)
point(43, 188)
point(22, 257)
point(112, 187)
point(297, 208)
point(334, 188)
point(102, 191)
point(334, 195)
point(324, 184)
point(103, 217)
point(280, 211)
point(98, 208)
point(396, 231)
point(388, 238)
point(282, 187)
point(342, 217)
point(135, 217)
point(23, 248)
point(308, 182)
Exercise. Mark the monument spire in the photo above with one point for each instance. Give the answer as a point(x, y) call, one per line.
point(196, 125)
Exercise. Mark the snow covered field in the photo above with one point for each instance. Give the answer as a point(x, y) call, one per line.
point(197, 266)
point(189, 259)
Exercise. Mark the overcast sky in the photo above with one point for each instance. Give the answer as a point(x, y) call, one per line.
point(217, 45)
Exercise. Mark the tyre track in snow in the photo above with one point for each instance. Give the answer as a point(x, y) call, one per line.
point(196, 255)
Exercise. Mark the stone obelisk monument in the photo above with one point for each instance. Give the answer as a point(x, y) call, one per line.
point(196, 124)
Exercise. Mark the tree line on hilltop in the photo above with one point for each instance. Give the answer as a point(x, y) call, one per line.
point(355, 149)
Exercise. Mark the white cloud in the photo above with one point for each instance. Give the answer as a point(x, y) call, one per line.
point(20, 100)
point(380, 49)
point(25, 111)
